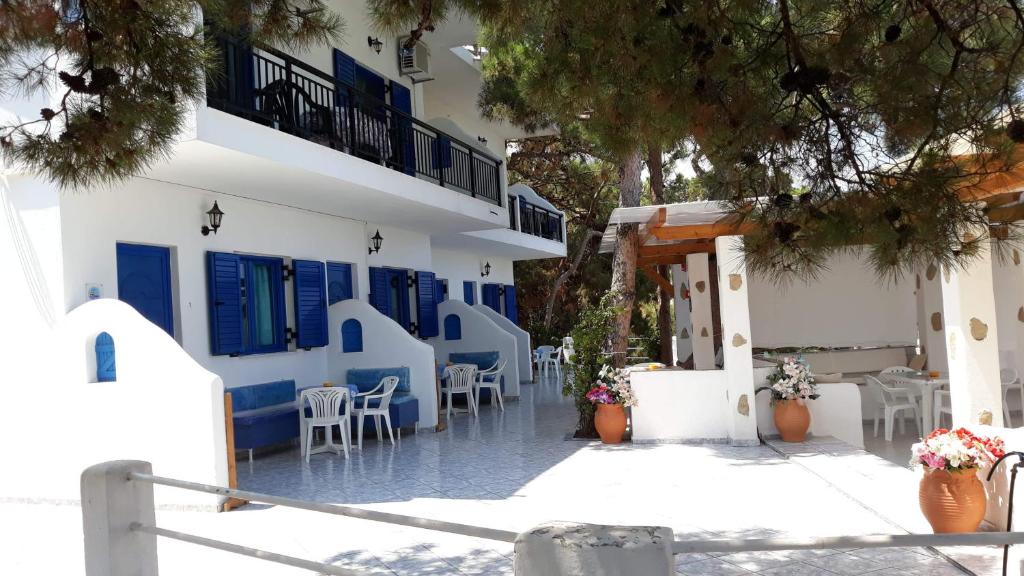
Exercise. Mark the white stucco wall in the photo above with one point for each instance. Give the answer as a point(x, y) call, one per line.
point(385, 345)
point(523, 347)
point(164, 408)
point(837, 412)
point(679, 405)
point(479, 334)
point(459, 267)
point(847, 306)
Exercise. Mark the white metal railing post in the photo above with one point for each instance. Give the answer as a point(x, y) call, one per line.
point(111, 504)
point(567, 549)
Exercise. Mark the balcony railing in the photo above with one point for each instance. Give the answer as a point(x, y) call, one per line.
point(274, 89)
point(539, 221)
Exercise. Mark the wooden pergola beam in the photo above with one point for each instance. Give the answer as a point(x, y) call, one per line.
point(1006, 214)
point(658, 279)
point(676, 249)
point(703, 231)
point(656, 221)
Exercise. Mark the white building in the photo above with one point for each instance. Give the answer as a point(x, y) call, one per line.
point(311, 157)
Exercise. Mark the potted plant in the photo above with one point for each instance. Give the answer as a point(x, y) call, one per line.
point(952, 497)
point(791, 385)
point(611, 393)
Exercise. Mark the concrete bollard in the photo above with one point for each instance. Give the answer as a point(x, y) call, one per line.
point(110, 504)
point(569, 549)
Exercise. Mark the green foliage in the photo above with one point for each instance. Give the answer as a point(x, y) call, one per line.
point(591, 341)
point(122, 75)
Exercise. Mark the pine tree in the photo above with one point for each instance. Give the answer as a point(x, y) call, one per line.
point(119, 76)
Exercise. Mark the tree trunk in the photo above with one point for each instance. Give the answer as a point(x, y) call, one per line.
point(581, 255)
point(624, 261)
point(654, 166)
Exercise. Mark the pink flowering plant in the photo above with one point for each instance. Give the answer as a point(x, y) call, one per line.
point(792, 380)
point(612, 387)
point(955, 450)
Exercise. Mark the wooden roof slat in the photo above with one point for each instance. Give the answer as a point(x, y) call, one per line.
point(658, 279)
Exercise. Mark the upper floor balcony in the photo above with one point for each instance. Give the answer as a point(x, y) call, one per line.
point(276, 90)
point(529, 217)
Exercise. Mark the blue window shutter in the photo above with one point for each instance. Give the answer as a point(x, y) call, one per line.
point(491, 298)
point(344, 68)
point(106, 367)
point(443, 153)
point(426, 304)
point(404, 310)
point(511, 307)
point(372, 83)
point(440, 290)
point(224, 296)
point(469, 292)
point(310, 304)
point(351, 336)
point(452, 327)
point(380, 291)
point(339, 282)
point(401, 98)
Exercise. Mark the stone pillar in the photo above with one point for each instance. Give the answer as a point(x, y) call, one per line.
point(568, 549)
point(700, 311)
point(972, 344)
point(684, 327)
point(741, 410)
point(1008, 276)
point(931, 323)
point(111, 503)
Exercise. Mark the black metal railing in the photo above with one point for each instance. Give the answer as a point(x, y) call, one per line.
point(539, 221)
point(274, 89)
point(513, 209)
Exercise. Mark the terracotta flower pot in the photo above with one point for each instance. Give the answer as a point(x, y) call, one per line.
point(792, 419)
point(610, 422)
point(952, 501)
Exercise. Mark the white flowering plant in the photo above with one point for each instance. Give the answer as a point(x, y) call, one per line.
point(956, 450)
point(792, 380)
point(612, 387)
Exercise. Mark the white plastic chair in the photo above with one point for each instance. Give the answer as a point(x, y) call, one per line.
point(329, 408)
point(1010, 380)
point(550, 358)
point(388, 385)
point(891, 376)
point(893, 400)
point(460, 381)
point(539, 353)
point(942, 403)
point(494, 385)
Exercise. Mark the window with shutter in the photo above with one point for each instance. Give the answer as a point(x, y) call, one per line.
point(106, 366)
point(246, 304)
point(469, 292)
point(224, 281)
point(492, 297)
point(339, 282)
point(310, 304)
point(379, 291)
point(511, 307)
point(441, 290)
point(426, 304)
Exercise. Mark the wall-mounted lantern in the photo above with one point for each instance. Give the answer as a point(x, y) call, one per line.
point(215, 215)
point(486, 270)
point(375, 241)
point(482, 140)
point(374, 43)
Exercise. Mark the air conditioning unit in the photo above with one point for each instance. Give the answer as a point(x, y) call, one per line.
point(414, 61)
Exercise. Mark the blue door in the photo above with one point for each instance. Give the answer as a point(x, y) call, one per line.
point(144, 282)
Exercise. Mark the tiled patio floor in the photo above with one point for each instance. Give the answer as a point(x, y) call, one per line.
point(510, 470)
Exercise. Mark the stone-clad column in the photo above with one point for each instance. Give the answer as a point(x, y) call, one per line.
point(741, 414)
point(931, 324)
point(700, 311)
point(972, 346)
point(684, 327)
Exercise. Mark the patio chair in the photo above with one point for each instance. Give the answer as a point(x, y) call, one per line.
point(539, 353)
point(381, 403)
point(460, 381)
point(893, 400)
point(490, 378)
point(328, 408)
point(941, 404)
point(551, 359)
point(892, 374)
point(1009, 379)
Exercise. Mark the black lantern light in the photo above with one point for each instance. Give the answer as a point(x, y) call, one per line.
point(374, 43)
point(215, 215)
point(376, 241)
point(486, 271)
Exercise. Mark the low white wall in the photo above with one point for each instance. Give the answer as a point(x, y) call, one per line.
point(385, 345)
point(679, 405)
point(479, 334)
point(164, 408)
point(836, 413)
point(847, 306)
point(870, 360)
point(522, 337)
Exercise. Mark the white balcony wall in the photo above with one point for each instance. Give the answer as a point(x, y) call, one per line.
point(479, 334)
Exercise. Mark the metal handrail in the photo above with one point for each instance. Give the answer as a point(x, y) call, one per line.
point(833, 542)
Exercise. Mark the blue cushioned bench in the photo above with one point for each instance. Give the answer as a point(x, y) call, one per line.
point(264, 414)
point(483, 361)
point(404, 408)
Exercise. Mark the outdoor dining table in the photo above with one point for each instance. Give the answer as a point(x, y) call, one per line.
point(927, 384)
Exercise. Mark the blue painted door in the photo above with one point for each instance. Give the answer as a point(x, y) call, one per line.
point(491, 296)
point(144, 282)
point(405, 145)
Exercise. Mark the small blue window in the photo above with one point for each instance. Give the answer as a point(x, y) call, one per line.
point(351, 336)
point(452, 327)
point(106, 367)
